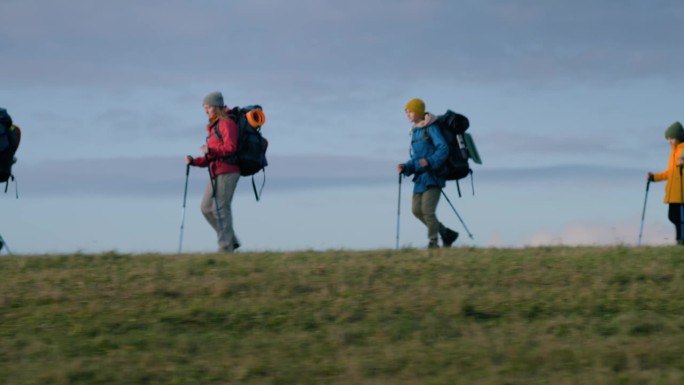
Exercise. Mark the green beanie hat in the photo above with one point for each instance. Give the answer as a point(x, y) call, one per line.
point(214, 99)
point(416, 106)
point(675, 131)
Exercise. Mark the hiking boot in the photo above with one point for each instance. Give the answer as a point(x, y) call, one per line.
point(679, 242)
point(449, 236)
point(226, 249)
point(433, 245)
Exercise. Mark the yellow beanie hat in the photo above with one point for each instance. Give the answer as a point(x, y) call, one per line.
point(416, 106)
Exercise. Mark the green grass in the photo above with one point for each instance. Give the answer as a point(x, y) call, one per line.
point(552, 315)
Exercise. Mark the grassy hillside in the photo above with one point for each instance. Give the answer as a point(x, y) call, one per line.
point(460, 316)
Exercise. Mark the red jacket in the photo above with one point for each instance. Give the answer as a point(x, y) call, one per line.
point(219, 149)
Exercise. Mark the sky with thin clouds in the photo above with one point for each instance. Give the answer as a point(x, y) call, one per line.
point(568, 103)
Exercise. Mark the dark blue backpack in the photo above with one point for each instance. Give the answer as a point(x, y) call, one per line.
point(250, 156)
point(462, 148)
point(10, 136)
point(251, 151)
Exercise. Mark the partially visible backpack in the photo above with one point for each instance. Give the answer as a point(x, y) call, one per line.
point(462, 148)
point(250, 156)
point(10, 137)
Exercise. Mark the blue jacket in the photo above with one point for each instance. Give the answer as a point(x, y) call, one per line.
point(433, 148)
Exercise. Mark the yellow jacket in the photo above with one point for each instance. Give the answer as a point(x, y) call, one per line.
point(673, 188)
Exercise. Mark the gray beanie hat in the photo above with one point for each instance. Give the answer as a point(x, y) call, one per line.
point(214, 99)
point(675, 131)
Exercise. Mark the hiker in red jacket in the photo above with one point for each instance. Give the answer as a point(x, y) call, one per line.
point(222, 135)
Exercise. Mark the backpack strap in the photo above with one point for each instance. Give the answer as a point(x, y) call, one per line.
point(230, 159)
point(263, 183)
point(426, 138)
point(16, 185)
point(426, 135)
point(472, 184)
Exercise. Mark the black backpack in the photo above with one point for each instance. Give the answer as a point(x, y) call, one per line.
point(462, 148)
point(10, 136)
point(250, 156)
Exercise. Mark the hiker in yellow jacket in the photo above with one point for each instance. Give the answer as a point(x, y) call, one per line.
point(674, 187)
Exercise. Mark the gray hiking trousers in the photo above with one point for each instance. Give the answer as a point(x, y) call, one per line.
point(221, 218)
point(424, 207)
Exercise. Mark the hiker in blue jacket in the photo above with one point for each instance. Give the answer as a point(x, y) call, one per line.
point(429, 151)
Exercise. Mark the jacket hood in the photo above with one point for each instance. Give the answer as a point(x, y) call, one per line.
point(429, 119)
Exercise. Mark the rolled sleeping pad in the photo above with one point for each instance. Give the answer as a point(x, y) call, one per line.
point(472, 149)
point(256, 118)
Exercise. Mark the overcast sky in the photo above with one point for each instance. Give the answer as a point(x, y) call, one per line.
point(561, 96)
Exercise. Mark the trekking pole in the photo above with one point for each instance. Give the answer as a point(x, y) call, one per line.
point(185, 197)
point(4, 244)
point(459, 217)
point(681, 207)
point(643, 212)
point(398, 212)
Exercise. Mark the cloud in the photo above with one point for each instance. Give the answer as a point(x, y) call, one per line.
point(561, 174)
point(333, 76)
point(165, 175)
point(302, 44)
point(604, 234)
point(543, 144)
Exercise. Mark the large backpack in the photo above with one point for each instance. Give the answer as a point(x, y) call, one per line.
point(250, 156)
point(462, 148)
point(10, 137)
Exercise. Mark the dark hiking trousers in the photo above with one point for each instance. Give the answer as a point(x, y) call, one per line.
point(673, 214)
